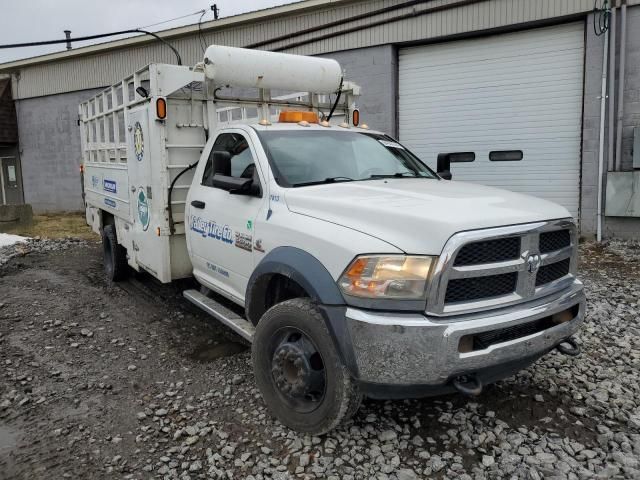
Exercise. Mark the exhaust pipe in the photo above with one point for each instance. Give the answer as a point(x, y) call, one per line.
point(469, 385)
point(569, 347)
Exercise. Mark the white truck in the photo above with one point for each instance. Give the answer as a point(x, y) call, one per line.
point(360, 271)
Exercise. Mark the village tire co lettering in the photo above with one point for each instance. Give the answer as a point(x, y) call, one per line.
point(209, 228)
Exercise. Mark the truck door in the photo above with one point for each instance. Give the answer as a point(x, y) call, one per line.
point(146, 210)
point(222, 224)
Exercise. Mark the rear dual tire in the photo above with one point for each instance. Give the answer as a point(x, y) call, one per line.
point(302, 379)
point(116, 267)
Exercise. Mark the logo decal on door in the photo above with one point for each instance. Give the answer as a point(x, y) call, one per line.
point(138, 142)
point(110, 186)
point(209, 228)
point(244, 241)
point(143, 209)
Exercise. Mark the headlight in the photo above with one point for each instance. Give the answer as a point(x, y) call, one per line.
point(399, 277)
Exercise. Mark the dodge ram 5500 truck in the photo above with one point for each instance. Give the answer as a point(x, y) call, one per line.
point(358, 269)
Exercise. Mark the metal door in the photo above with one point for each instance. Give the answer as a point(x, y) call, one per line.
point(10, 181)
point(149, 249)
point(223, 224)
point(510, 105)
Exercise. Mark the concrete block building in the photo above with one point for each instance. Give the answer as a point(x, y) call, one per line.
point(513, 86)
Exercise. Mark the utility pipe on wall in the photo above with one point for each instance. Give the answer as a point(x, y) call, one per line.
point(603, 101)
point(611, 141)
point(623, 55)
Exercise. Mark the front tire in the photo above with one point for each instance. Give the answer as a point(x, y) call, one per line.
point(116, 267)
point(297, 369)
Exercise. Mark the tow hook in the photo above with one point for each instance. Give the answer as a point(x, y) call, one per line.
point(468, 385)
point(569, 347)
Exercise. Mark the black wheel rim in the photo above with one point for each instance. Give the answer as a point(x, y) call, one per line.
point(297, 370)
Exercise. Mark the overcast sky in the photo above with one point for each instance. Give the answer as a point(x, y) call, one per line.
point(24, 21)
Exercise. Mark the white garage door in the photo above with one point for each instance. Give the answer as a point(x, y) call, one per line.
point(510, 102)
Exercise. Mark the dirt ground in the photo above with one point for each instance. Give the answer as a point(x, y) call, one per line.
point(130, 381)
point(90, 355)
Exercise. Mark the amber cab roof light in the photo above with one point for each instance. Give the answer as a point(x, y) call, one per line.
point(287, 116)
point(356, 117)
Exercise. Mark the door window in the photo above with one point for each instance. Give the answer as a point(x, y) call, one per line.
point(11, 173)
point(506, 156)
point(240, 162)
point(462, 157)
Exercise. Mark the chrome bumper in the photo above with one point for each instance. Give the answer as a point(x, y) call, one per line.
point(412, 349)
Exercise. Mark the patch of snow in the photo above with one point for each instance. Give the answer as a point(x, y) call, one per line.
point(7, 239)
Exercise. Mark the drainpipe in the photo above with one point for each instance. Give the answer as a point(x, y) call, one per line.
point(612, 90)
point(623, 55)
point(603, 101)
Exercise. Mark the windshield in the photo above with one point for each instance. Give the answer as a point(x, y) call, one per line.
point(301, 158)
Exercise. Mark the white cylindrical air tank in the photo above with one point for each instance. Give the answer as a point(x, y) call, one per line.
point(260, 69)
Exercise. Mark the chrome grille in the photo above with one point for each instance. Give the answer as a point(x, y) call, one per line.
point(491, 268)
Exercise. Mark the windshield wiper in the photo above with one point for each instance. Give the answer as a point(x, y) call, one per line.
point(326, 180)
point(395, 175)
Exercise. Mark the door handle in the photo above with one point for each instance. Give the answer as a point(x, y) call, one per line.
point(197, 204)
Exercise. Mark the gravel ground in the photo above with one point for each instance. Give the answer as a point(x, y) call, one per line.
point(129, 381)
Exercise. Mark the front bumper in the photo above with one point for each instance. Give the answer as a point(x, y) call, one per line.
point(397, 354)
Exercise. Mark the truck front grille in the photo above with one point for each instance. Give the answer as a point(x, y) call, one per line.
point(552, 272)
point(484, 340)
point(552, 241)
point(495, 267)
point(465, 289)
point(489, 251)
point(493, 337)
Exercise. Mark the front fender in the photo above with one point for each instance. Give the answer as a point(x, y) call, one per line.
point(298, 265)
point(308, 272)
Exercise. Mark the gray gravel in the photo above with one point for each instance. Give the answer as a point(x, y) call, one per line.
point(37, 245)
point(132, 383)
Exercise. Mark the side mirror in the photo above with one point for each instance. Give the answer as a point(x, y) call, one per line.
point(444, 166)
point(236, 185)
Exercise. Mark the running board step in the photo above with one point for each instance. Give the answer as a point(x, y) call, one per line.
point(242, 327)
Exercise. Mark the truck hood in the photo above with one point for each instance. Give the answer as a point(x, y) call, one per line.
point(418, 215)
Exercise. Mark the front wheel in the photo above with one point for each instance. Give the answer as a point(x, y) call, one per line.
point(297, 369)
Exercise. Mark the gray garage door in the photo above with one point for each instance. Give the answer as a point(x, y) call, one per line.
point(509, 104)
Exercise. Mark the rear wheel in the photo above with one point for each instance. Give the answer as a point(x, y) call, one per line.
point(298, 370)
point(115, 255)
